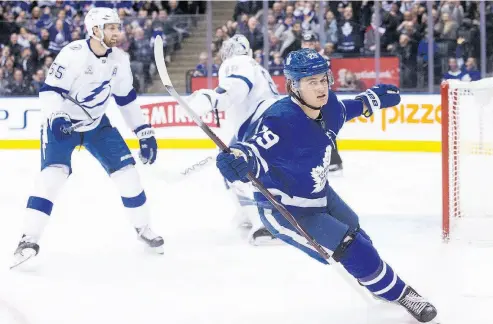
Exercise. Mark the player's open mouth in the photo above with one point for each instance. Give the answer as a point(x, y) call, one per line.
point(321, 97)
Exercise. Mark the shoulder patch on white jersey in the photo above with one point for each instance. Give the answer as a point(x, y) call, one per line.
point(75, 47)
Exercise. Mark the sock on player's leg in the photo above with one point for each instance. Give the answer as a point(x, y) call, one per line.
point(362, 261)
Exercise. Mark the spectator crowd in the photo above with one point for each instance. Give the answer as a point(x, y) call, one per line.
point(350, 29)
point(32, 33)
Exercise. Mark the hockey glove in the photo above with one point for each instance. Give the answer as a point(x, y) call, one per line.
point(380, 96)
point(204, 101)
point(147, 142)
point(211, 96)
point(236, 164)
point(59, 124)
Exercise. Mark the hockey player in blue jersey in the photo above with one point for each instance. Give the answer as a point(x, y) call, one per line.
point(289, 151)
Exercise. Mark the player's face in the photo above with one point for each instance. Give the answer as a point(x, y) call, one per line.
point(111, 34)
point(315, 89)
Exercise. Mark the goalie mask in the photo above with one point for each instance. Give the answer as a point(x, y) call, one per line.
point(236, 45)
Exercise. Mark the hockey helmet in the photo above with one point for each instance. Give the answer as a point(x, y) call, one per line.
point(236, 45)
point(98, 17)
point(309, 36)
point(304, 63)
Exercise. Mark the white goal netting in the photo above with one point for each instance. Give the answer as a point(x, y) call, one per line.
point(467, 148)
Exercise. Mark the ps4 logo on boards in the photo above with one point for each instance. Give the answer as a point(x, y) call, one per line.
point(19, 121)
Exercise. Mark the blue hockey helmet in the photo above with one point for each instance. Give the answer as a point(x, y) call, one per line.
point(304, 63)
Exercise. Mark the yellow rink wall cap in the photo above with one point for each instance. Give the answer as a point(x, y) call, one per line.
point(177, 143)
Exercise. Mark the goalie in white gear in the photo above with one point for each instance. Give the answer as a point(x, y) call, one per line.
point(245, 91)
point(90, 71)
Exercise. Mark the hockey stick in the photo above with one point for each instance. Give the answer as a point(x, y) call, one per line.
point(82, 123)
point(163, 74)
point(183, 174)
point(68, 97)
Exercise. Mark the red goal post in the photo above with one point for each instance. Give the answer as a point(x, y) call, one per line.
point(467, 160)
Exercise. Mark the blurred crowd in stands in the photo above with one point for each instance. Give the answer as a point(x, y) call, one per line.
point(32, 33)
point(349, 29)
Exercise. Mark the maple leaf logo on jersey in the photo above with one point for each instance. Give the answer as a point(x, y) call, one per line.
point(319, 173)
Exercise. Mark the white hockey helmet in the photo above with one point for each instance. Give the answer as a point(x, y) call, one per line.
point(98, 17)
point(236, 45)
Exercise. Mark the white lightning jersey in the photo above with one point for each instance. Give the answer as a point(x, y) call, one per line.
point(248, 85)
point(245, 91)
point(91, 80)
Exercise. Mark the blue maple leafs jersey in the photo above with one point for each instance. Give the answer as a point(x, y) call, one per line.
point(292, 151)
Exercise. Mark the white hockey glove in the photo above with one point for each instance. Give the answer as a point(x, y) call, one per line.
point(204, 101)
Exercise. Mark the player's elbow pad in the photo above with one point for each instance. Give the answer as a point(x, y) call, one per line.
point(202, 101)
point(223, 101)
point(50, 102)
point(132, 115)
point(233, 90)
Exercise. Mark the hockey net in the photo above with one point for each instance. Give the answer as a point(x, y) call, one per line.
point(467, 160)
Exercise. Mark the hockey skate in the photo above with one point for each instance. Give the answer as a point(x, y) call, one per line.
point(26, 249)
point(155, 242)
point(417, 306)
point(261, 236)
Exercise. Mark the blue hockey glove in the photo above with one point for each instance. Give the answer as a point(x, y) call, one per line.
point(59, 123)
point(147, 142)
point(236, 164)
point(380, 96)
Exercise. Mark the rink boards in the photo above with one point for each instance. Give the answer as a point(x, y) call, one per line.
point(413, 125)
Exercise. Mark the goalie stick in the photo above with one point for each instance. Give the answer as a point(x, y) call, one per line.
point(163, 74)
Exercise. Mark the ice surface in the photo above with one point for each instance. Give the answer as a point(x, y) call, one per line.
point(91, 269)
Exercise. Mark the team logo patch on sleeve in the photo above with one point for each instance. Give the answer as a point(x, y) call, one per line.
point(76, 47)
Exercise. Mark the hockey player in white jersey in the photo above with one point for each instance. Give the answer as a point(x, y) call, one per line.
point(90, 71)
point(245, 91)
